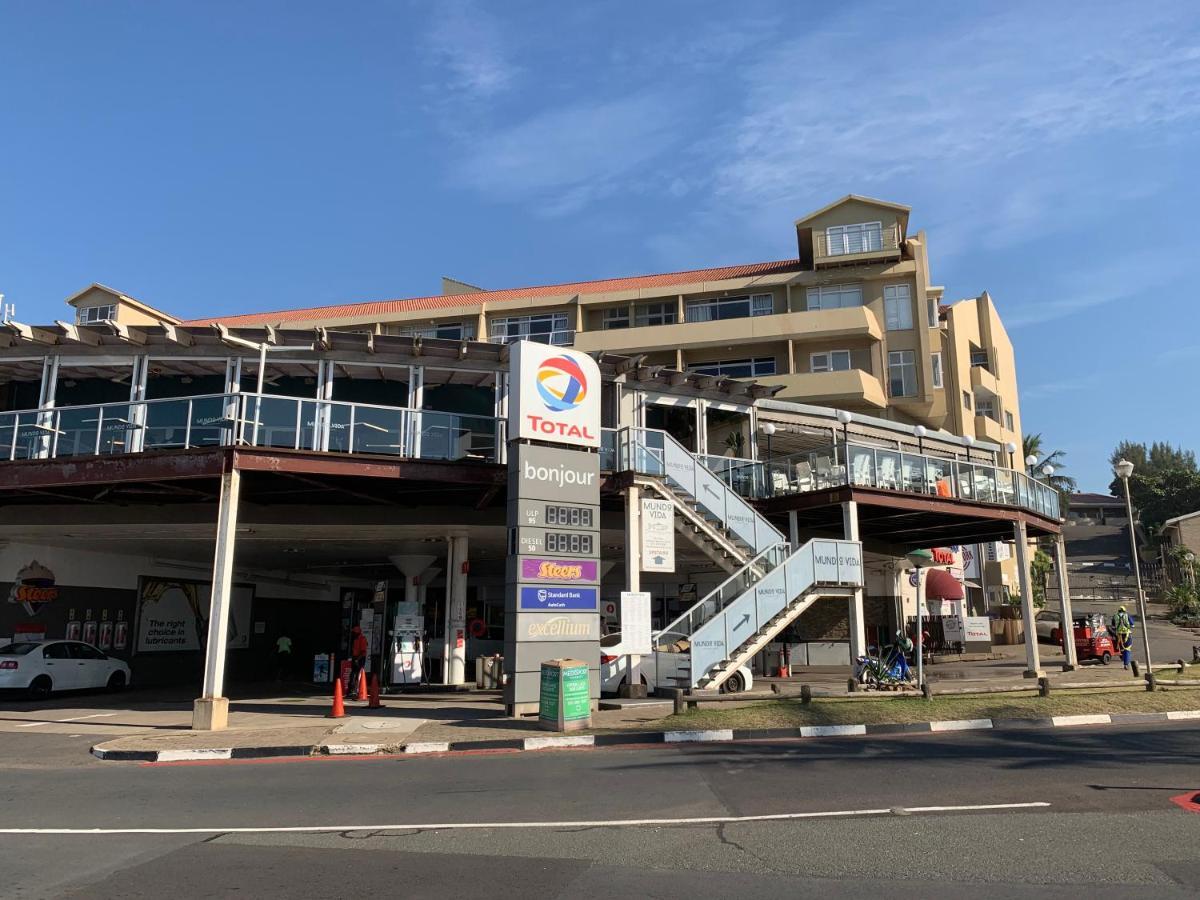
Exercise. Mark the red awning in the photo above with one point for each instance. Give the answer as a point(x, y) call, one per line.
point(941, 585)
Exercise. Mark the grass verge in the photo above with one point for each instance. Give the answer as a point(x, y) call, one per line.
point(793, 713)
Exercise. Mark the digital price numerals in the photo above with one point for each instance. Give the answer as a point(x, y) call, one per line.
point(570, 517)
point(570, 542)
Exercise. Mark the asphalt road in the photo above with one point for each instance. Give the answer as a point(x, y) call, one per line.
point(1109, 827)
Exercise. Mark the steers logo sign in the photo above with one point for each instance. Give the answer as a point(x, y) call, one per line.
point(33, 588)
point(554, 395)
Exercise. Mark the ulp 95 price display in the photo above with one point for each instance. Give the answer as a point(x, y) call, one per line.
point(569, 516)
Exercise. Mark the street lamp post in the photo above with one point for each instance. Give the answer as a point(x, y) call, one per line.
point(769, 430)
point(1011, 448)
point(920, 431)
point(1190, 559)
point(920, 559)
point(1123, 469)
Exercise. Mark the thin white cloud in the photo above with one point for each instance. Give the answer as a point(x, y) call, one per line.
point(564, 158)
point(1049, 389)
point(961, 96)
point(467, 44)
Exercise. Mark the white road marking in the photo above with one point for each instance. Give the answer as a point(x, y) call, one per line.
point(687, 737)
point(1096, 719)
point(831, 730)
point(1184, 714)
point(478, 826)
point(960, 725)
point(72, 719)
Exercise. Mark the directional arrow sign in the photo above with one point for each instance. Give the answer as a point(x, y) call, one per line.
point(742, 621)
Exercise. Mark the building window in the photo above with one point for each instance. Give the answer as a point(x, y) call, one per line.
point(548, 328)
point(931, 309)
point(730, 308)
point(897, 307)
point(967, 399)
point(654, 314)
point(986, 406)
point(835, 296)
point(902, 373)
point(935, 361)
point(979, 357)
point(832, 361)
point(737, 368)
point(1008, 421)
point(90, 314)
point(617, 317)
point(450, 331)
point(861, 238)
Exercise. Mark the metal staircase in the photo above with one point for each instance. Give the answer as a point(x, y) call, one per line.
point(770, 583)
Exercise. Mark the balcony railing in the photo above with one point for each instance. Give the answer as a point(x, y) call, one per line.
point(258, 420)
point(856, 244)
point(562, 338)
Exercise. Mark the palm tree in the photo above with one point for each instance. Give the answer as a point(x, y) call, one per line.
point(1031, 445)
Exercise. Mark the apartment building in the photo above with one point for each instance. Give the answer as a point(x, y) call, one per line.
point(853, 321)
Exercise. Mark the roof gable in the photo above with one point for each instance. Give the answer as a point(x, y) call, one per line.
point(855, 198)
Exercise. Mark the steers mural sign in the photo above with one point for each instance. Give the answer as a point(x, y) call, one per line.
point(556, 395)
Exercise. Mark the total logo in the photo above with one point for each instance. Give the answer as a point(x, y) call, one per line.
point(561, 384)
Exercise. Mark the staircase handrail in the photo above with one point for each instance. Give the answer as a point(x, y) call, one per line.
point(749, 570)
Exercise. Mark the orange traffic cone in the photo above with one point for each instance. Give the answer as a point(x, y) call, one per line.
point(373, 695)
point(339, 707)
point(362, 684)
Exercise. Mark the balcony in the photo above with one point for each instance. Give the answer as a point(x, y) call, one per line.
point(853, 388)
point(817, 325)
point(858, 465)
point(226, 420)
point(849, 249)
point(982, 379)
point(988, 429)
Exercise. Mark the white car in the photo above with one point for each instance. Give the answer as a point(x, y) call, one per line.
point(666, 667)
point(42, 667)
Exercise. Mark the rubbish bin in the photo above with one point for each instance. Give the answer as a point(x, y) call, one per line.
point(565, 698)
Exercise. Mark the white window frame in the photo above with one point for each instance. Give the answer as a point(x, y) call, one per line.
point(843, 240)
point(613, 315)
point(466, 331)
point(824, 361)
point(756, 305)
point(980, 357)
point(935, 362)
point(1009, 421)
point(906, 361)
point(834, 296)
point(758, 366)
point(987, 406)
point(931, 309)
point(105, 312)
point(968, 400)
point(653, 314)
point(898, 314)
point(509, 329)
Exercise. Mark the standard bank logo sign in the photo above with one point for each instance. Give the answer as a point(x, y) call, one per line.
point(554, 395)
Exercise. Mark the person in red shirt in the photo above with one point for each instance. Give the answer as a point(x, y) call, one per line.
point(358, 658)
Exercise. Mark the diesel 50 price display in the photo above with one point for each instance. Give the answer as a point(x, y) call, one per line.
point(528, 541)
point(571, 543)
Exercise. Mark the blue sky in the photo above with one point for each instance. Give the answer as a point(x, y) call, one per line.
point(227, 157)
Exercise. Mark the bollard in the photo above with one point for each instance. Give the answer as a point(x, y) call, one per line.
point(1136, 670)
point(926, 691)
point(806, 693)
point(680, 706)
point(1043, 687)
point(1151, 682)
point(1182, 666)
point(852, 685)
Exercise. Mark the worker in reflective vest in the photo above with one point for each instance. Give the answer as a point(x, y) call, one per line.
point(1122, 627)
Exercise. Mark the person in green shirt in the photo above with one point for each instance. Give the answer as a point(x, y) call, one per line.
point(283, 657)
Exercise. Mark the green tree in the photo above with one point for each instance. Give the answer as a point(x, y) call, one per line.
point(1032, 445)
point(1165, 481)
point(1039, 572)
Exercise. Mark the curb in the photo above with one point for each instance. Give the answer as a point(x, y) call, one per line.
point(641, 738)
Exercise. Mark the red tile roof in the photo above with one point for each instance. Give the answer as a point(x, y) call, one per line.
point(375, 309)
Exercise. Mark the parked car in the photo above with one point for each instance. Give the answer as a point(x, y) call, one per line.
point(42, 667)
point(666, 667)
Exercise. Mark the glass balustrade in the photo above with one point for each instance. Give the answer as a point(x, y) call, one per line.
point(217, 420)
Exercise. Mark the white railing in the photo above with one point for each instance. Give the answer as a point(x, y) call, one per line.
point(260, 420)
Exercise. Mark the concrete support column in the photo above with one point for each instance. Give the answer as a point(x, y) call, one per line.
point(633, 539)
point(858, 625)
point(1064, 594)
point(456, 577)
point(794, 529)
point(1033, 665)
point(211, 711)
